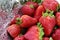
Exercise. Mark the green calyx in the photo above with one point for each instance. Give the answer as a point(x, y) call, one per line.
point(18, 21)
point(31, 6)
point(41, 33)
point(48, 13)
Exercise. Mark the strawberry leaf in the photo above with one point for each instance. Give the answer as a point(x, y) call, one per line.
point(18, 21)
point(41, 33)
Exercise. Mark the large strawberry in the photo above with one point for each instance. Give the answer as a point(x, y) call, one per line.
point(50, 4)
point(19, 38)
point(33, 3)
point(58, 18)
point(39, 12)
point(14, 30)
point(28, 9)
point(34, 33)
point(56, 35)
point(27, 21)
point(48, 22)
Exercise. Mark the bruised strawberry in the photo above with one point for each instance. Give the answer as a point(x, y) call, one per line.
point(14, 30)
point(58, 18)
point(45, 38)
point(33, 3)
point(48, 22)
point(50, 4)
point(28, 9)
point(56, 35)
point(39, 12)
point(27, 21)
point(13, 21)
point(19, 38)
point(32, 33)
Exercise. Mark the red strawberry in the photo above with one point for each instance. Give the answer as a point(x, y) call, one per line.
point(13, 21)
point(50, 4)
point(56, 35)
point(45, 38)
point(27, 21)
point(27, 9)
point(32, 33)
point(58, 18)
point(39, 12)
point(19, 38)
point(13, 30)
point(33, 3)
point(48, 22)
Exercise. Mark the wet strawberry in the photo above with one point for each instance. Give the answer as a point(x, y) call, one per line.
point(50, 4)
point(19, 38)
point(14, 30)
point(28, 9)
point(32, 33)
point(45, 38)
point(58, 18)
point(27, 21)
point(56, 35)
point(48, 22)
point(39, 12)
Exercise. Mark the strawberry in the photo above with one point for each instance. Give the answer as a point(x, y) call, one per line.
point(33, 3)
point(13, 21)
point(19, 38)
point(27, 9)
point(32, 33)
point(27, 21)
point(35, 32)
point(58, 18)
point(39, 12)
point(50, 4)
point(45, 38)
point(13, 30)
point(48, 22)
point(56, 35)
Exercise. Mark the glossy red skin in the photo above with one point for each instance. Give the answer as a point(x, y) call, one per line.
point(45, 38)
point(56, 35)
point(48, 24)
point(58, 18)
point(38, 12)
point(14, 30)
point(33, 3)
point(19, 38)
point(27, 21)
point(50, 4)
point(13, 21)
point(32, 33)
point(27, 10)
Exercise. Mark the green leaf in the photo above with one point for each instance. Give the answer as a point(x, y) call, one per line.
point(18, 21)
point(41, 33)
point(50, 38)
point(39, 1)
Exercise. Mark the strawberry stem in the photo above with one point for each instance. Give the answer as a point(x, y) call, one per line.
point(31, 6)
point(41, 33)
point(18, 21)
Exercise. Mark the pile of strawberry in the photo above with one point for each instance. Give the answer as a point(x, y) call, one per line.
point(40, 21)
